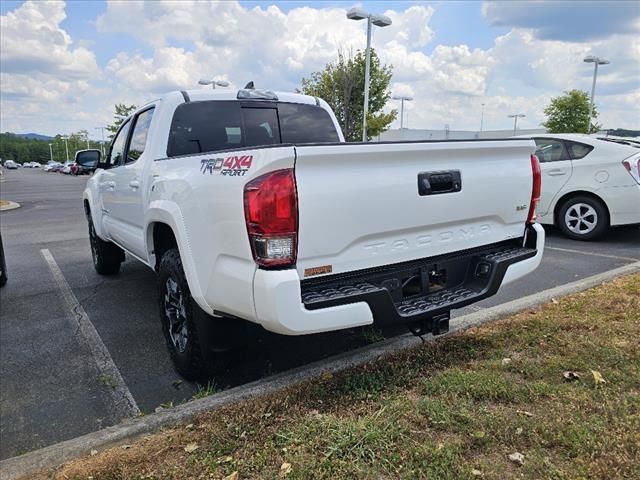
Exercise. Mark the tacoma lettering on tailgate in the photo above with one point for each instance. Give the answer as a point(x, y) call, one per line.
point(424, 240)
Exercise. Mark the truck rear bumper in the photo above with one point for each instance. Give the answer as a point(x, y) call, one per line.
point(412, 292)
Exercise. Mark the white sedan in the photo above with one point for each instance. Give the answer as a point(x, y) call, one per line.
point(588, 184)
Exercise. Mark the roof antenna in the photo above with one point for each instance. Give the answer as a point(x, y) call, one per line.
point(249, 86)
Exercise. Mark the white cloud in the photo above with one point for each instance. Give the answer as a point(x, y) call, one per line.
point(407, 65)
point(265, 45)
point(169, 69)
point(34, 42)
point(410, 27)
point(44, 77)
point(458, 69)
point(619, 110)
point(538, 63)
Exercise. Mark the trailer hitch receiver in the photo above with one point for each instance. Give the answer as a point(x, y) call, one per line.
point(437, 325)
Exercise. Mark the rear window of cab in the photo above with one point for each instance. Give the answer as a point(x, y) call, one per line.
point(209, 126)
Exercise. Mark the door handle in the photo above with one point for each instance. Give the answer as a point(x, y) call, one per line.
point(556, 173)
point(134, 184)
point(108, 185)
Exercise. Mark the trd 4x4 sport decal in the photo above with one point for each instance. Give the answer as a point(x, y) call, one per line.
point(230, 166)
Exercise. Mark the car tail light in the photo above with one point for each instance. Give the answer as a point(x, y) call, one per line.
point(271, 213)
point(536, 189)
point(632, 165)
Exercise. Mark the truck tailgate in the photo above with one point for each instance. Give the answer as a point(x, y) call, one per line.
point(368, 205)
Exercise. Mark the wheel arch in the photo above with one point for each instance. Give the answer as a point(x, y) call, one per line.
point(165, 229)
point(92, 212)
point(576, 193)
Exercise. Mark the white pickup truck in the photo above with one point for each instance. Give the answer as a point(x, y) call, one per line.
point(251, 207)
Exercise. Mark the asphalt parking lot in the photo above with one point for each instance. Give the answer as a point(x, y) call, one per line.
point(52, 388)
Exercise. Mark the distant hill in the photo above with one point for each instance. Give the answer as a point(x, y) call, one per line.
point(34, 136)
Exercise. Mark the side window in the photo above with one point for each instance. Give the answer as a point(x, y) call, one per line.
point(117, 146)
point(550, 150)
point(260, 126)
point(139, 136)
point(301, 123)
point(578, 150)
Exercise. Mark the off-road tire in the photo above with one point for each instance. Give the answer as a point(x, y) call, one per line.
point(591, 210)
point(107, 256)
point(189, 360)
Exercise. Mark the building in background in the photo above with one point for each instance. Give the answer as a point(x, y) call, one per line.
point(446, 134)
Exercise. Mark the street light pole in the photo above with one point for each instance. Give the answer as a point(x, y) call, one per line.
point(596, 61)
point(367, 67)
point(379, 21)
point(50, 153)
point(482, 118)
point(102, 144)
point(515, 120)
point(402, 98)
point(66, 146)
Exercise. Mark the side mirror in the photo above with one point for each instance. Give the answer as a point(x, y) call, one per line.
point(88, 160)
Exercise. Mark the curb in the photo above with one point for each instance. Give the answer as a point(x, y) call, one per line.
point(11, 206)
point(54, 455)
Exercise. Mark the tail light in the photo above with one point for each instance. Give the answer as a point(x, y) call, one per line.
point(632, 165)
point(271, 213)
point(536, 189)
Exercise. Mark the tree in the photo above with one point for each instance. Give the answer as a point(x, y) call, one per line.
point(122, 111)
point(569, 113)
point(341, 85)
point(22, 149)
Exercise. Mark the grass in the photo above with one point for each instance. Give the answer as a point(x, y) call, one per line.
point(205, 390)
point(107, 381)
point(451, 409)
point(371, 334)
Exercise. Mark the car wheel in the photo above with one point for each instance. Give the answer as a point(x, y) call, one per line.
point(178, 312)
point(583, 218)
point(107, 256)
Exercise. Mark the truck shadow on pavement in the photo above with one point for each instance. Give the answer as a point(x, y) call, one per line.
point(131, 330)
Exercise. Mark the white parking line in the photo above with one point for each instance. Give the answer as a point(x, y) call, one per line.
point(568, 250)
point(124, 403)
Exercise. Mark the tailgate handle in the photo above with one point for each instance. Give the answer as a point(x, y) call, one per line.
point(432, 183)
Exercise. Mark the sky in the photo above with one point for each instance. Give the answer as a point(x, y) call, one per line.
point(64, 65)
